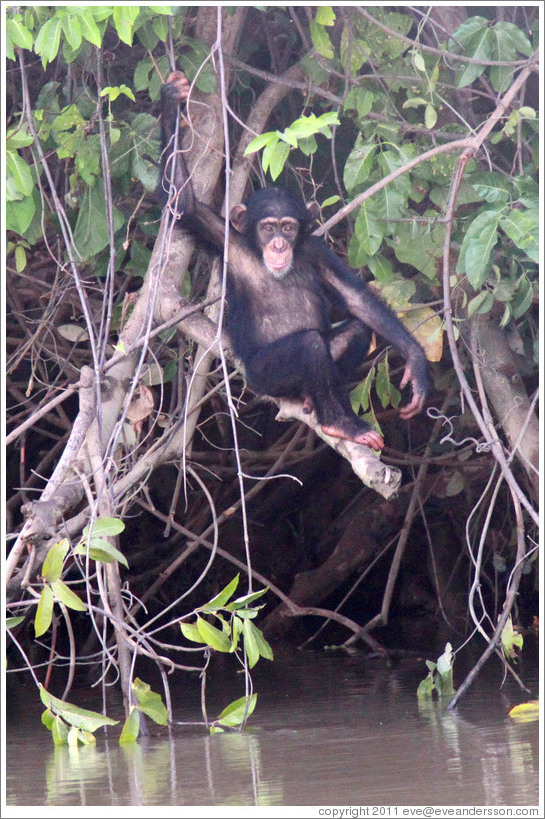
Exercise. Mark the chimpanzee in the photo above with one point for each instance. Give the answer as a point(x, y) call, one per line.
point(282, 285)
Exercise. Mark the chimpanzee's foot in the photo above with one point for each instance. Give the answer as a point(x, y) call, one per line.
point(368, 437)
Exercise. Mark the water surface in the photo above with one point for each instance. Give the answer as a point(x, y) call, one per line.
point(329, 729)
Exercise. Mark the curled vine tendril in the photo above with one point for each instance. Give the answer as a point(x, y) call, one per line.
point(483, 446)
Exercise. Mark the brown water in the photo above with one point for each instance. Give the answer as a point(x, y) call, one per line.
point(329, 729)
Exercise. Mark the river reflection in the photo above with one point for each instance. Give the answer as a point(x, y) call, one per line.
point(328, 730)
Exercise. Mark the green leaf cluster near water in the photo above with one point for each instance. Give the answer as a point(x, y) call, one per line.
point(70, 724)
point(94, 544)
point(439, 677)
point(233, 623)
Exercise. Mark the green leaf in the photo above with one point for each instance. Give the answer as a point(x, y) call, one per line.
point(236, 630)
point(491, 185)
point(18, 138)
point(102, 552)
point(381, 268)
point(48, 718)
point(212, 636)
point(17, 34)
point(425, 689)
point(19, 177)
point(194, 64)
point(321, 40)
point(360, 395)
point(383, 384)
point(54, 560)
point(310, 124)
point(44, 612)
point(104, 527)
point(235, 712)
point(59, 730)
point(254, 637)
point(518, 38)
point(269, 138)
point(160, 27)
point(361, 99)
point(48, 40)
point(505, 51)
point(80, 717)
point(524, 297)
point(307, 145)
point(511, 640)
point(419, 62)
point(444, 663)
point(131, 728)
point(11, 622)
point(522, 227)
point(392, 160)
point(331, 200)
point(91, 233)
point(250, 643)
point(242, 602)
point(481, 304)
point(68, 119)
point(72, 30)
point(414, 102)
point(419, 245)
point(443, 680)
point(191, 632)
point(248, 614)
point(478, 243)
point(113, 92)
point(65, 594)
point(19, 215)
point(123, 19)
point(86, 737)
point(274, 158)
point(325, 16)
point(430, 117)
point(89, 28)
point(149, 702)
point(358, 165)
point(368, 231)
point(289, 136)
point(141, 74)
point(472, 39)
point(222, 597)
point(20, 258)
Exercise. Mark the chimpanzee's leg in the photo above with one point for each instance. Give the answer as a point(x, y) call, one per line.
point(349, 344)
point(301, 366)
point(293, 366)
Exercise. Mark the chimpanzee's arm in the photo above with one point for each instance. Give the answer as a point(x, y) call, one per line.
point(361, 302)
point(175, 188)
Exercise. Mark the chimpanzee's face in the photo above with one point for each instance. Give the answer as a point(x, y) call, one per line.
point(276, 239)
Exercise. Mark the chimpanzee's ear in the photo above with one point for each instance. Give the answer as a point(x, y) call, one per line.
point(313, 211)
point(238, 217)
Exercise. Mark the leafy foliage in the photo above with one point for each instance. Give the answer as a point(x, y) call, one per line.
point(439, 678)
point(69, 724)
point(234, 619)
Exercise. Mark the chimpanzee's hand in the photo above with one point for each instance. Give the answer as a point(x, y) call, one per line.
point(177, 87)
point(419, 384)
